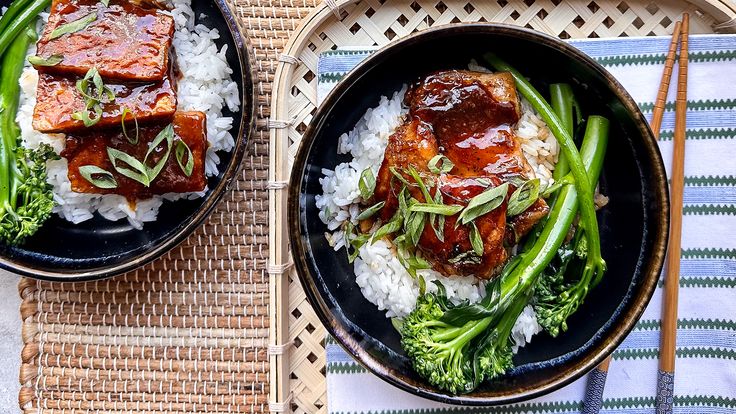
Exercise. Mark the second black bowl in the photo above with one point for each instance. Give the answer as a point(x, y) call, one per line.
point(633, 226)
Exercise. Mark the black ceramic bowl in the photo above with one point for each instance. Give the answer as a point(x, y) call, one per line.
point(100, 248)
point(634, 225)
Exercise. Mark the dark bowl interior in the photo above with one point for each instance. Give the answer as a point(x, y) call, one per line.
point(100, 248)
point(633, 226)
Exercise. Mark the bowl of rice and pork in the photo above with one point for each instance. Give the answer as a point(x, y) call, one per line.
point(478, 213)
point(131, 118)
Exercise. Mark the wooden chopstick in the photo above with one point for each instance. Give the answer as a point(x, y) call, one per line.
point(664, 85)
point(666, 375)
point(597, 379)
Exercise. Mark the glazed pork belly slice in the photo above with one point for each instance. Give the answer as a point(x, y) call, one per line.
point(122, 41)
point(91, 149)
point(472, 115)
point(414, 145)
point(58, 98)
point(469, 118)
point(453, 255)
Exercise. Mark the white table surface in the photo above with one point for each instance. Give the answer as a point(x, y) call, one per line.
point(10, 343)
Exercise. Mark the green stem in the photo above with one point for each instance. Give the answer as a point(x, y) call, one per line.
point(15, 7)
point(564, 138)
point(536, 258)
point(10, 71)
point(561, 98)
point(20, 23)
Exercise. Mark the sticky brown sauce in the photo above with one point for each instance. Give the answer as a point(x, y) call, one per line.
point(125, 42)
point(91, 149)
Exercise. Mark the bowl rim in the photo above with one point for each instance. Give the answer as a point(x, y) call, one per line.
point(243, 139)
point(651, 266)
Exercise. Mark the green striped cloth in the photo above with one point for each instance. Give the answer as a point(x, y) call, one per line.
point(706, 342)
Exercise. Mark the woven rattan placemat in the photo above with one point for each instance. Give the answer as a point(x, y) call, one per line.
point(187, 333)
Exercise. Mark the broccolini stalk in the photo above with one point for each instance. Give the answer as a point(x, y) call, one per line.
point(457, 347)
point(564, 105)
point(26, 199)
point(18, 23)
point(583, 184)
point(15, 7)
point(556, 301)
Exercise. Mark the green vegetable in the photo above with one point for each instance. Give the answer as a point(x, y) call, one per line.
point(95, 93)
point(52, 60)
point(420, 182)
point(583, 184)
point(13, 10)
point(437, 221)
point(137, 170)
point(182, 152)
point(26, 199)
point(558, 299)
point(98, 177)
point(353, 242)
point(140, 171)
point(414, 226)
point(74, 26)
point(391, 227)
point(457, 347)
point(523, 197)
point(476, 240)
point(440, 164)
point(440, 352)
point(565, 106)
point(167, 134)
point(484, 203)
point(370, 211)
point(367, 183)
point(11, 26)
point(439, 209)
point(133, 141)
point(469, 257)
point(396, 173)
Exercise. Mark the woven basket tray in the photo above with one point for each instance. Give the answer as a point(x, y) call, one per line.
point(297, 353)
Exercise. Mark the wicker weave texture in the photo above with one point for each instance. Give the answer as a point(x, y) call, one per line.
point(299, 380)
point(189, 332)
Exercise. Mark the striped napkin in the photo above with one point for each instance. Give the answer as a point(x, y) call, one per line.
point(705, 381)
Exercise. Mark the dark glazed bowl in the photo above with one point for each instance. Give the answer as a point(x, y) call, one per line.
point(634, 226)
point(100, 248)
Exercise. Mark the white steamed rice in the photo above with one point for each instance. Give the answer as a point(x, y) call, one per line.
point(206, 85)
point(379, 274)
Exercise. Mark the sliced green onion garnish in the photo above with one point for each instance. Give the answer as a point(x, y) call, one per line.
point(126, 111)
point(396, 173)
point(183, 152)
point(484, 203)
point(74, 26)
point(98, 177)
point(137, 170)
point(440, 164)
point(367, 183)
point(420, 182)
point(415, 226)
point(392, 226)
point(168, 135)
point(370, 211)
point(441, 209)
point(85, 117)
point(523, 197)
point(52, 60)
point(475, 240)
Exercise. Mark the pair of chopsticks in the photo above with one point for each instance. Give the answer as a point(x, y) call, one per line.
point(666, 375)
